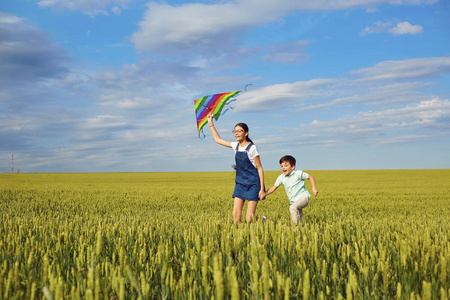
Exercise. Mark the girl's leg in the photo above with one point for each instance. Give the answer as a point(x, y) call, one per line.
point(296, 209)
point(251, 209)
point(237, 209)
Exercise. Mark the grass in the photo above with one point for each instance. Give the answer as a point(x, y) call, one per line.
point(369, 235)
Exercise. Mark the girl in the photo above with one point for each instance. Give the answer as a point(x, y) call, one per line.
point(249, 171)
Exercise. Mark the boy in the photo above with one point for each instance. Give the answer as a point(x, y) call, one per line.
point(293, 181)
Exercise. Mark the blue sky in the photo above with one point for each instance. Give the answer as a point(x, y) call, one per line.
point(108, 85)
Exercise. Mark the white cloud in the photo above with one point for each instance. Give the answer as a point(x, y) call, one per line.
point(377, 85)
point(405, 28)
point(429, 67)
point(192, 25)
point(375, 124)
point(93, 7)
point(376, 94)
point(372, 10)
point(400, 28)
point(9, 19)
point(269, 97)
point(143, 88)
point(28, 60)
point(377, 27)
point(187, 27)
point(286, 53)
point(89, 7)
point(116, 10)
point(26, 51)
point(425, 110)
point(285, 58)
point(403, 140)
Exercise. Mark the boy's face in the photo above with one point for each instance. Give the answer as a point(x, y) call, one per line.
point(286, 168)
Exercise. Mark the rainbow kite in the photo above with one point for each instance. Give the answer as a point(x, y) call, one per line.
point(211, 104)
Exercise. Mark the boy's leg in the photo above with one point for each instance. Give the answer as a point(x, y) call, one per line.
point(237, 209)
point(296, 209)
point(251, 209)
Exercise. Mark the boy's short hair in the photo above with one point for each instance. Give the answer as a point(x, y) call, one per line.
point(288, 158)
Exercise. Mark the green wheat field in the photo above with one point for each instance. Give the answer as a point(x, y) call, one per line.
point(380, 234)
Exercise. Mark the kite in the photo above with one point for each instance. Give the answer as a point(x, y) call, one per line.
point(213, 104)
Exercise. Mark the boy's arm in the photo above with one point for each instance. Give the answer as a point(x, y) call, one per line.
point(271, 190)
point(313, 184)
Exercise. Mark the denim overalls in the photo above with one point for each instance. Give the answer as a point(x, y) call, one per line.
point(247, 177)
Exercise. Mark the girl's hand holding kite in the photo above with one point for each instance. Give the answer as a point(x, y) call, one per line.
point(215, 134)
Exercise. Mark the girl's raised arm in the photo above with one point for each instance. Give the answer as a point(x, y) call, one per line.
point(216, 134)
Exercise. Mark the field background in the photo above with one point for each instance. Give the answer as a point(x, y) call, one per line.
point(369, 234)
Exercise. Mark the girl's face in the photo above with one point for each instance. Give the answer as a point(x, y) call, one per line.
point(239, 134)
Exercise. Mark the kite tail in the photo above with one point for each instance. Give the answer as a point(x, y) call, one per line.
point(229, 101)
point(231, 107)
point(203, 135)
point(245, 88)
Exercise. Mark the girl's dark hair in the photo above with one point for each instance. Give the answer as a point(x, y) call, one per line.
point(245, 127)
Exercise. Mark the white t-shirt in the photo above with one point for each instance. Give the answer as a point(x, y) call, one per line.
point(252, 152)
